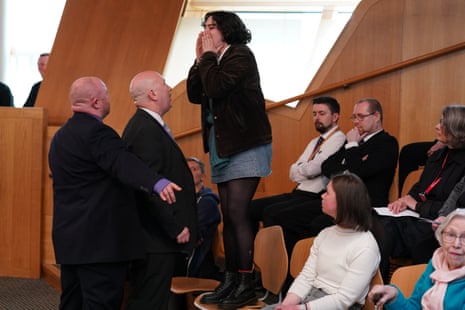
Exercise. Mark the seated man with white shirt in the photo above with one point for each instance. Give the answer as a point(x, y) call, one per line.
point(295, 211)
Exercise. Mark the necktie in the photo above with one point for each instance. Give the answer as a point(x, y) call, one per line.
point(316, 148)
point(318, 143)
point(361, 142)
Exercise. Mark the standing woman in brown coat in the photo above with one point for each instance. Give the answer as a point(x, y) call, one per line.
point(237, 134)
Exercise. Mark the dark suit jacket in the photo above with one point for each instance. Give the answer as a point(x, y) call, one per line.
point(31, 99)
point(95, 219)
point(6, 98)
point(146, 138)
point(374, 162)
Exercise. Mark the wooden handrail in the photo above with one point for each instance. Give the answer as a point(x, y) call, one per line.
point(356, 79)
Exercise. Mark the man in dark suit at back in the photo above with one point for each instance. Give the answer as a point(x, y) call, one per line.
point(169, 231)
point(6, 98)
point(42, 67)
point(96, 230)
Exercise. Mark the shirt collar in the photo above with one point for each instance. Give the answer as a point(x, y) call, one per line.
point(155, 115)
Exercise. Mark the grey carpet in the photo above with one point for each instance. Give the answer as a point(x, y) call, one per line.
point(27, 294)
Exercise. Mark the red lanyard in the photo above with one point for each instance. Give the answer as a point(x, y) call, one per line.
point(435, 181)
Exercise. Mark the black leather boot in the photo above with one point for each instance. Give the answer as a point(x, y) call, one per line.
point(243, 295)
point(223, 290)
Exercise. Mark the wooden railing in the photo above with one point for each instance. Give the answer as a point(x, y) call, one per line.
point(356, 79)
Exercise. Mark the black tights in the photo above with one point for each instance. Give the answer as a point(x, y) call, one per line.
point(239, 228)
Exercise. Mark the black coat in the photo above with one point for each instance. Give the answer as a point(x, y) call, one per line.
point(31, 99)
point(374, 162)
point(95, 219)
point(450, 174)
point(6, 98)
point(146, 138)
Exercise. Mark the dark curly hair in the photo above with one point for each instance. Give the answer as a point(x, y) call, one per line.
point(231, 26)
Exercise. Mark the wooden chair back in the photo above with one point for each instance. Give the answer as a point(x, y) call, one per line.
point(270, 256)
point(410, 180)
point(300, 255)
point(406, 277)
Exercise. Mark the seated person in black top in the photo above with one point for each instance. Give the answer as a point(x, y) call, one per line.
point(443, 170)
point(6, 98)
point(42, 67)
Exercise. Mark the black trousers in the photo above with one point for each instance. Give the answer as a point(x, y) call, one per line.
point(298, 213)
point(93, 286)
point(150, 281)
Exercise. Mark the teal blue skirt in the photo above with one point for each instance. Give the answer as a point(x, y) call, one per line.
point(254, 162)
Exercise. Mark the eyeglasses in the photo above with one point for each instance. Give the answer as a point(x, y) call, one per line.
point(449, 237)
point(360, 117)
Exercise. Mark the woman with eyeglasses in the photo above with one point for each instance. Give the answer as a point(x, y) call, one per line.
point(442, 285)
point(412, 237)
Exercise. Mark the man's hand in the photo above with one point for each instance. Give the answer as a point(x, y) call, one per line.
point(353, 135)
point(167, 194)
point(184, 236)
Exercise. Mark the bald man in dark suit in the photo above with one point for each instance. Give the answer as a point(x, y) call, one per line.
point(169, 231)
point(96, 230)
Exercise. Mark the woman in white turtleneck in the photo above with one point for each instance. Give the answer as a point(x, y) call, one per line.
point(344, 257)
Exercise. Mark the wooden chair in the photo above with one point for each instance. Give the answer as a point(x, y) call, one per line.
point(189, 285)
point(299, 255)
point(410, 180)
point(270, 257)
point(406, 277)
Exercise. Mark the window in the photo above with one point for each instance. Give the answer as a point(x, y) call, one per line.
point(289, 45)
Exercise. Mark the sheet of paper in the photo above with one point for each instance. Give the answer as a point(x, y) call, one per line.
point(386, 212)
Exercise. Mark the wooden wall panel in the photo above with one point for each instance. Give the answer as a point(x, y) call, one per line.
point(22, 134)
point(47, 253)
point(111, 39)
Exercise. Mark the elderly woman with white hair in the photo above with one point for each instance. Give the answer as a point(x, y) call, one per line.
point(442, 284)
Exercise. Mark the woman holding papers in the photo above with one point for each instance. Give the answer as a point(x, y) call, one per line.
point(443, 170)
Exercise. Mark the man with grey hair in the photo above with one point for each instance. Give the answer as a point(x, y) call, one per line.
point(170, 232)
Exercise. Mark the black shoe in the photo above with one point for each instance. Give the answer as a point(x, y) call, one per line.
point(243, 295)
point(223, 290)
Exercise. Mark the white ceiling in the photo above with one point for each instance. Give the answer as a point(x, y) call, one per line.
point(267, 5)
